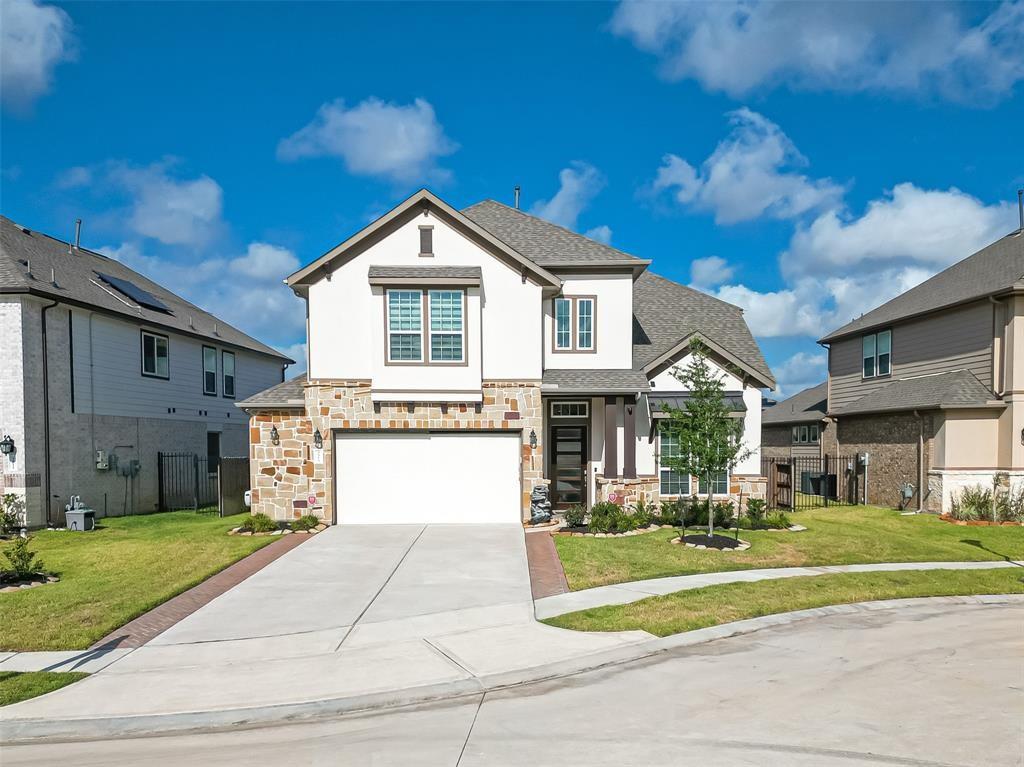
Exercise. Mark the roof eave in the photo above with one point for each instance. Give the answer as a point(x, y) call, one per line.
point(423, 196)
point(767, 382)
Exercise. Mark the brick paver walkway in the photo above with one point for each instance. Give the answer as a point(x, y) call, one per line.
point(546, 575)
point(139, 631)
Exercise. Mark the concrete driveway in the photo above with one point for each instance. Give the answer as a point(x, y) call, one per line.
point(354, 582)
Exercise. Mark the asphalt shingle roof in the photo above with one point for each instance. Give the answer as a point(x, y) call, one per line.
point(992, 269)
point(290, 394)
point(542, 242)
point(74, 279)
point(428, 272)
point(958, 388)
point(680, 401)
point(808, 405)
point(594, 381)
point(665, 312)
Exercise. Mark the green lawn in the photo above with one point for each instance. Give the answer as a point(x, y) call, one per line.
point(114, 574)
point(15, 687)
point(713, 605)
point(837, 535)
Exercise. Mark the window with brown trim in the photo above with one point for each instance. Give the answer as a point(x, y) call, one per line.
point(426, 327)
point(574, 324)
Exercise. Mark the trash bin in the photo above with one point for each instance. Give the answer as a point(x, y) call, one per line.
point(80, 520)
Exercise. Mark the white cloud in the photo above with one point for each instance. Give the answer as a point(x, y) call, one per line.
point(710, 271)
point(745, 47)
point(74, 178)
point(799, 372)
point(750, 174)
point(602, 233)
point(246, 291)
point(34, 39)
point(400, 143)
point(171, 210)
point(927, 228)
point(578, 185)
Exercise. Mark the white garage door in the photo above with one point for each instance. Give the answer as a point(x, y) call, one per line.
point(427, 477)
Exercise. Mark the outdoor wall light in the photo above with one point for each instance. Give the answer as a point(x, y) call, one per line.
point(274, 436)
point(7, 445)
point(533, 438)
point(318, 440)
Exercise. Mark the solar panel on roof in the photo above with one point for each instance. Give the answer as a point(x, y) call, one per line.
point(134, 292)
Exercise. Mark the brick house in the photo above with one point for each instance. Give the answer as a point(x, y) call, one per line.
point(931, 384)
point(457, 359)
point(798, 427)
point(102, 369)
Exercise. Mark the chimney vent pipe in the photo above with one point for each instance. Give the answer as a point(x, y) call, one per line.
point(1020, 207)
point(515, 196)
point(78, 233)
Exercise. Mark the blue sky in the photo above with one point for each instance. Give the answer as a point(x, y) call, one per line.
point(804, 161)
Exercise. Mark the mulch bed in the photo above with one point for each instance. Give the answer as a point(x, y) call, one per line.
point(976, 522)
point(38, 579)
point(716, 542)
point(584, 531)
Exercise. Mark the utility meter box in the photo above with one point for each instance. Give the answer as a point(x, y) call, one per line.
point(865, 459)
point(101, 460)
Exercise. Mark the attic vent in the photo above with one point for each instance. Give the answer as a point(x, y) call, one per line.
point(134, 292)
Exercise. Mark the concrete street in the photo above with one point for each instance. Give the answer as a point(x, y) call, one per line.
point(932, 684)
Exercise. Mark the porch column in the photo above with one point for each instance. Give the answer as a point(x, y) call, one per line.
point(611, 458)
point(629, 440)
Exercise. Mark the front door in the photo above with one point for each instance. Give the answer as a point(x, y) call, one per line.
point(568, 465)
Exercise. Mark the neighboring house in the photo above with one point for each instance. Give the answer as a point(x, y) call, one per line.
point(797, 427)
point(102, 367)
point(931, 384)
point(456, 360)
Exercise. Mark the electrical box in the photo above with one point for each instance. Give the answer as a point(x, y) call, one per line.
point(101, 460)
point(865, 459)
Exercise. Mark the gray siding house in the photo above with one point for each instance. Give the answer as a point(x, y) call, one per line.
point(102, 367)
point(797, 427)
point(931, 383)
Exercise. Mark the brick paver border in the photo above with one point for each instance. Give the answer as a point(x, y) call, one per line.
point(137, 632)
point(547, 578)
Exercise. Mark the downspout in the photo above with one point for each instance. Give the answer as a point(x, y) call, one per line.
point(46, 412)
point(920, 462)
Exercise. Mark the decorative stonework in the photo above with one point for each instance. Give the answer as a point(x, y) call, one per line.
point(945, 484)
point(292, 478)
point(626, 492)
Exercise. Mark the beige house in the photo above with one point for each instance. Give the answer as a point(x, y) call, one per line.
point(931, 384)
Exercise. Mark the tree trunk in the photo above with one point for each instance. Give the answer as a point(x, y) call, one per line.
point(711, 510)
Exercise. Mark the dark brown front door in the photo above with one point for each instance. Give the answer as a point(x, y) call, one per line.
point(568, 465)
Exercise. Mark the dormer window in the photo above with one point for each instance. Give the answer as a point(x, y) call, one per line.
point(574, 324)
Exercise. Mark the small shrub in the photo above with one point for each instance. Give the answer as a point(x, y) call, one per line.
point(669, 513)
point(777, 521)
point(756, 509)
point(12, 512)
point(607, 517)
point(695, 513)
point(305, 522)
point(724, 516)
point(23, 563)
point(1011, 509)
point(258, 523)
point(972, 503)
point(643, 513)
point(575, 515)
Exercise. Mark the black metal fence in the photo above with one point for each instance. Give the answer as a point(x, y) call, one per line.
point(187, 481)
point(811, 482)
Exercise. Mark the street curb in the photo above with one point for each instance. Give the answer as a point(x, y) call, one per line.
point(42, 730)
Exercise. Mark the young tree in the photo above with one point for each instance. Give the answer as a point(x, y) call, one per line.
point(710, 438)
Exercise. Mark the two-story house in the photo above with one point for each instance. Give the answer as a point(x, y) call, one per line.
point(101, 369)
point(930, 385)
point(798, 427)
point(457, 359)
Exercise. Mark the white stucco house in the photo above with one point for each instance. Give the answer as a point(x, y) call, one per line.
point(456, 359)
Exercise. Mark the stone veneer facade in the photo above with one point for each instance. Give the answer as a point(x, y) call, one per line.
point(648, 489)
point(288, 475)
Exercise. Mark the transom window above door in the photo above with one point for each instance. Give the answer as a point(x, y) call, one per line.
point(574, 318)
point(570, 409)
point(426, 326)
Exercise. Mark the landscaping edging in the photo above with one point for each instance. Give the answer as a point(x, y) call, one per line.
point(977, 522)
point(286, 531)
point(576, 533)
point(40, 579)
point(40, 730)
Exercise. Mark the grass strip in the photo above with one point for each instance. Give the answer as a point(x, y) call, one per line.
point(18, 686)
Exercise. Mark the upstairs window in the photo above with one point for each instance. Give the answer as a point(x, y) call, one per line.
point(574, 324)
point(877, 354)
point(446, 325)
point(209, 371)
point(227, 365)
point(813, 433)
point(155, 362)
point(563, 323)
point(672, 482)
point(405, 325)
